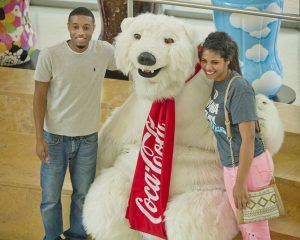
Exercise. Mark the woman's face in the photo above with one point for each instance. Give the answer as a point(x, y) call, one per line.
point(214, 66)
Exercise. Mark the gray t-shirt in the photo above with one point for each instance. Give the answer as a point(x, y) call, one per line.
point(241, 107)
point(74, 92)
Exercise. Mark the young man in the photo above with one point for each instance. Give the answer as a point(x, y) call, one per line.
point(66, 109)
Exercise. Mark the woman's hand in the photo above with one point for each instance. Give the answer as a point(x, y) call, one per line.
point(240, 195)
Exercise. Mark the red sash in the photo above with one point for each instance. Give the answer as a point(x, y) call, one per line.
point(150, 187)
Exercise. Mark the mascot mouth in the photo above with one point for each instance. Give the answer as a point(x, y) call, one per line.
point(148, 73)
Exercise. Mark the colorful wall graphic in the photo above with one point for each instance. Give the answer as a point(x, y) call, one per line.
point(17, 38)
point(257, 40)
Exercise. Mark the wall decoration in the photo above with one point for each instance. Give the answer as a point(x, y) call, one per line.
point(257, 41)
point(17, 37)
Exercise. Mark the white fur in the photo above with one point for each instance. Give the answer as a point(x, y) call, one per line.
point(176, 58)
point(198, 207)
point(271, 125)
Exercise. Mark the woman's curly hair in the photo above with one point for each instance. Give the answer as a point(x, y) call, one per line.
point(223, 44)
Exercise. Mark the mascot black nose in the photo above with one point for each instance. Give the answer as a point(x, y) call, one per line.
point(146, 59)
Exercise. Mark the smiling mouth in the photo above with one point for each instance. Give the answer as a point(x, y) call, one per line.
point(81, 39)
point(148, 73)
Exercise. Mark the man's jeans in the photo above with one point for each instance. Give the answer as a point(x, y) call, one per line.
point(81, 155)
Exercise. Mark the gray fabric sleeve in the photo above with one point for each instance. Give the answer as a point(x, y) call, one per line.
point(112, 63)
point(43, 72)
point(243, 106)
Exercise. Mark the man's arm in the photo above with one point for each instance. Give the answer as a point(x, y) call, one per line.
point(39, 109)
point(112, 63)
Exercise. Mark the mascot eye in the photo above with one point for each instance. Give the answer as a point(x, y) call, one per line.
point(137, 36)
point(169, 40)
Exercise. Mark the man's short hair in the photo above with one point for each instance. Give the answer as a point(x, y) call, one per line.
point(82, 11)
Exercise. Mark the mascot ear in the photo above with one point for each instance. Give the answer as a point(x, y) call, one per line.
point(126, 23)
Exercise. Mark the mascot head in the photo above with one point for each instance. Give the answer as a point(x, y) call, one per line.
point(158, 52)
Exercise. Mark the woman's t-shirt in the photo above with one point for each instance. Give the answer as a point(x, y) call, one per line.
point(241, 107)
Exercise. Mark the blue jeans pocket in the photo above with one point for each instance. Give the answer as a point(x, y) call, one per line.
point(91, 139)
point(51, 139)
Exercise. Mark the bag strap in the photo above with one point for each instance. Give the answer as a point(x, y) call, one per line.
point(228, 129)
point(227, 119)
point(258, 129)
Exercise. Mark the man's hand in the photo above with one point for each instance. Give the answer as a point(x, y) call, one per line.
point(42, 150)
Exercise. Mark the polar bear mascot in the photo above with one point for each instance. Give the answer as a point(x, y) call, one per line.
point(160, 53)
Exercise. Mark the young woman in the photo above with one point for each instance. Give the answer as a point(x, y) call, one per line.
point(253, 165)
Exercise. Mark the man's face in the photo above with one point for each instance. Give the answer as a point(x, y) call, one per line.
point(81, 29)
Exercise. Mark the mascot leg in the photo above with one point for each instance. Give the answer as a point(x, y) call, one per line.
point(200, 215)
point(106, 202)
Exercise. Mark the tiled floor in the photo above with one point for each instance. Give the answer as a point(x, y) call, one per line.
point(51, 27)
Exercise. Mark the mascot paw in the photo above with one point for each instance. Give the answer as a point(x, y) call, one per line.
point(271, 125)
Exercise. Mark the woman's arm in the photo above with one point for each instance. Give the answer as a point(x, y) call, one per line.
point(240, 191)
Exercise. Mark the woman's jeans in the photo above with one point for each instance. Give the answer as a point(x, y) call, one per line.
point(259, 177)
point(80, 153)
